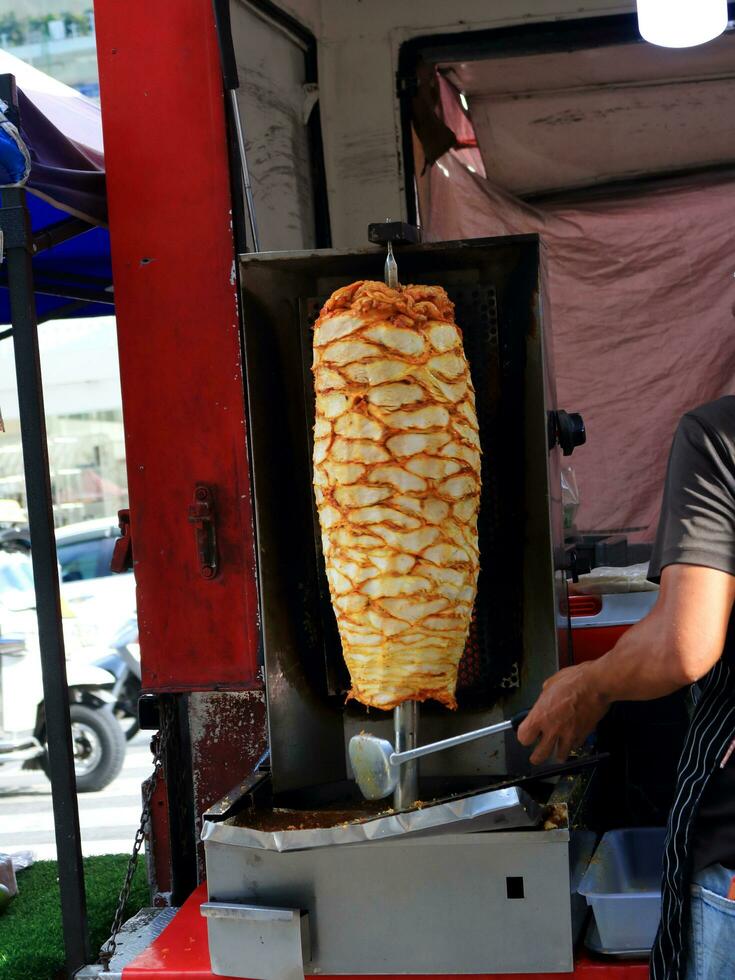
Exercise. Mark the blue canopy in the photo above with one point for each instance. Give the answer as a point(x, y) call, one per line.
point(69, 275)
point(62, 131)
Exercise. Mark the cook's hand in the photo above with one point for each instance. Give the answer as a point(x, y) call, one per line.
point(567, 710)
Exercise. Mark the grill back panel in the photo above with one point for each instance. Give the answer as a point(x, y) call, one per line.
point(490, 665)
point(495, 285)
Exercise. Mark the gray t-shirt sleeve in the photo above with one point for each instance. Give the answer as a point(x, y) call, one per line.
point(697, 524)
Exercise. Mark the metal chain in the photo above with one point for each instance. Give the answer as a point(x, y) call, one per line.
point(160, 743)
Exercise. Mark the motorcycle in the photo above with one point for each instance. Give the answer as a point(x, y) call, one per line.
point(98, 740)
point(123, 662)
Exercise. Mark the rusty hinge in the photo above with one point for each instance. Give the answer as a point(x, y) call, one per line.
point(122, 553)
point(202, 515)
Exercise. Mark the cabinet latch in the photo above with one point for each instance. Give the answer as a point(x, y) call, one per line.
point(202, 515)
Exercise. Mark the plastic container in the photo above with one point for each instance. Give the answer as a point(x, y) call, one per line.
point(623, 886)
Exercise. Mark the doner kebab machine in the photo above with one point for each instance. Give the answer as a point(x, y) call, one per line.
point(360, 846)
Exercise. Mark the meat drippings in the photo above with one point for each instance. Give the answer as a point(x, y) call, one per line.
point(278, 819)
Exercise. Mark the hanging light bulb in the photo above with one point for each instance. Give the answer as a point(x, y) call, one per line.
point(681, 23)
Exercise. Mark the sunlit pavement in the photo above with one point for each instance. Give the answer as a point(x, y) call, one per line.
point(108, 819)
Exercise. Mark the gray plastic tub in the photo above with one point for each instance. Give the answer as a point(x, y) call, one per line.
point(623, 886)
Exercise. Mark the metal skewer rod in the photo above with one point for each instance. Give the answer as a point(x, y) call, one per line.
point(247, 188)
point(406, 715)
point(391, 268)
point(406, 725)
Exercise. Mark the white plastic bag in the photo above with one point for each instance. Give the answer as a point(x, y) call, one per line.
point(9, 864)
point(7, 874)
point(22, 860)
point(606, 580)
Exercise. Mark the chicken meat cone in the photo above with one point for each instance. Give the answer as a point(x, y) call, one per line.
point(397, 484)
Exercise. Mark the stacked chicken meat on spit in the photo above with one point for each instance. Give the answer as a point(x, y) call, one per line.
point(397, 483)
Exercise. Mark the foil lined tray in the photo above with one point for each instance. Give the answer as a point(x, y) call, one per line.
point(499, 809)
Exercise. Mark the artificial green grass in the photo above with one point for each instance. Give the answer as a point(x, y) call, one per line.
point(31, 944)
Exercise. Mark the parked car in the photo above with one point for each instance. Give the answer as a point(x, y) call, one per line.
point(96, 600)
point(98, 739)
point(99, 599)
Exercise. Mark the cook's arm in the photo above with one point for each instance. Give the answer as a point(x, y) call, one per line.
point(679, 641)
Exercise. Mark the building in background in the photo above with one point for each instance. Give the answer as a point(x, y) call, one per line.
point(83, 418)
point(79, 357)
point(56, 36)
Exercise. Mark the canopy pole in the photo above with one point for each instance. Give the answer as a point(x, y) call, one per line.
point(15, 224)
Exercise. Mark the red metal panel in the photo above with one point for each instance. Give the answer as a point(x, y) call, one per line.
point(180, 355)
point(181, 953)
point(228, 735)
point(593, 642)
point(158, 846)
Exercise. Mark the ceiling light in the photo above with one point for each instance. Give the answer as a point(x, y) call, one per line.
point(681, 23)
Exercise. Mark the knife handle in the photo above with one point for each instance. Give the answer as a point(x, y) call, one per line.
point(517, 720)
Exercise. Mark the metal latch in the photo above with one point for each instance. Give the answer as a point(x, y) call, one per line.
point(122, 553)
point(202, 515)
point(398, 232)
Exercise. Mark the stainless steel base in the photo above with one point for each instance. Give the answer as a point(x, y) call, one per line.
point(461, 903)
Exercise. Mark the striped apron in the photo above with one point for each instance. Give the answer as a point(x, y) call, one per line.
point(710, 734)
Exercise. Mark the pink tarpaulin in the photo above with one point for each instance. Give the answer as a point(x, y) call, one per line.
point(642, 308)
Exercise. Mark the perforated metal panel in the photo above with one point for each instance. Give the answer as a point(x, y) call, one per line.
point(492, 655)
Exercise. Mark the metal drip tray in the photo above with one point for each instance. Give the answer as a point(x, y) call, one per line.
point(296, 830)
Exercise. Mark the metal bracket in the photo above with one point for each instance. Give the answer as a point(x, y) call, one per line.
point(253, 790)
point(149, 712)
point(122, 554)
point(202, 515)
point(15, 228)
point(257, 939)
point(398, 232)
